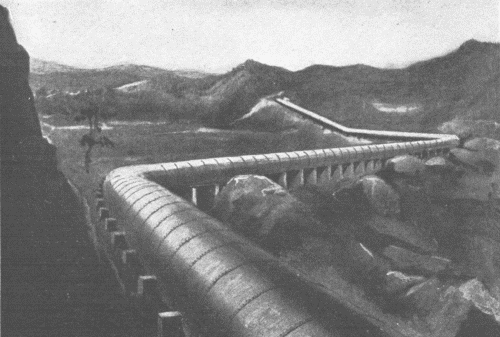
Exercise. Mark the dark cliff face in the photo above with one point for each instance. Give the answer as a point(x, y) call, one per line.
point(21, 137)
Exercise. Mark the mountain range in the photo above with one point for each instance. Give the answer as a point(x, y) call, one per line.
point(458, 92)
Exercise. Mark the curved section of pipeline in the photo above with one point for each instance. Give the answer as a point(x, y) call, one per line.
point(229, 286)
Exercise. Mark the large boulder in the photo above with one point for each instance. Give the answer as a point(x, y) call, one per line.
point(263, 211)
point(382, 197)
point(407, 165)
point(439, 163)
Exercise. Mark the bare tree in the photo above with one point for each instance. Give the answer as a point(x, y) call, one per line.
point(94, 136)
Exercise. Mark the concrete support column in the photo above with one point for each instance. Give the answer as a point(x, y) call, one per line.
point(348, 170)
point(103, 213)
point(118, 240)
point(282, 180)
point(337, 173)
point(99, 203)
point(295, 178)
point(147, 286)
point(359, 168)
point(194, 195)
point(170, 324)
point(311, 176)
point(130, 268)
point(205, 196)
point(370, 166)
point(111, 225)
point(324, 174)
point(129, 257)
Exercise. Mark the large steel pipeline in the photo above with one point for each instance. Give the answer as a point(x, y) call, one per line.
point(227, 285)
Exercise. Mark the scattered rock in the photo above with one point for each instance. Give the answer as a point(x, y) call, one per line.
point(381, 196)
point(402, 231)
point(440, 306)
point(406, 259)
point(424, 296)
point(396, 281)
point(406, 164)
point(440, 165)
point(439, 162)
point(482, 260)
point(474, 291)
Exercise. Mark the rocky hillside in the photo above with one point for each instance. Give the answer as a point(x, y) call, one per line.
point(415, 249)
point(458, 92)
point(463, 85)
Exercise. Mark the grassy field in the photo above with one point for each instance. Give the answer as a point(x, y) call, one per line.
point(146, 142)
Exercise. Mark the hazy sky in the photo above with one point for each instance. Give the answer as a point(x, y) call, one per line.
point(216, 35)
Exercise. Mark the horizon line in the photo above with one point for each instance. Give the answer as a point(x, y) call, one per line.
point(228, 69)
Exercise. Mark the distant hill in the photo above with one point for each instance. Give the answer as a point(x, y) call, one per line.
point(463, 85)
point(38, 66)
point(55, 76)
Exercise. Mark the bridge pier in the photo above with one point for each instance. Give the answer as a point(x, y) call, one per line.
point(295, 178)
point(359, 168)
point(324, 174)
point(311, 176)
point(338, 173)
point(370, 166)
point(204, 196)
point(348, 170)
point(170, 324)
point(111, 225)
point(283, 179)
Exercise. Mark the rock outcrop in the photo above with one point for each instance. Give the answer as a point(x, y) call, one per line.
point(262, 210)
point(23, 149)
point(416, 245)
